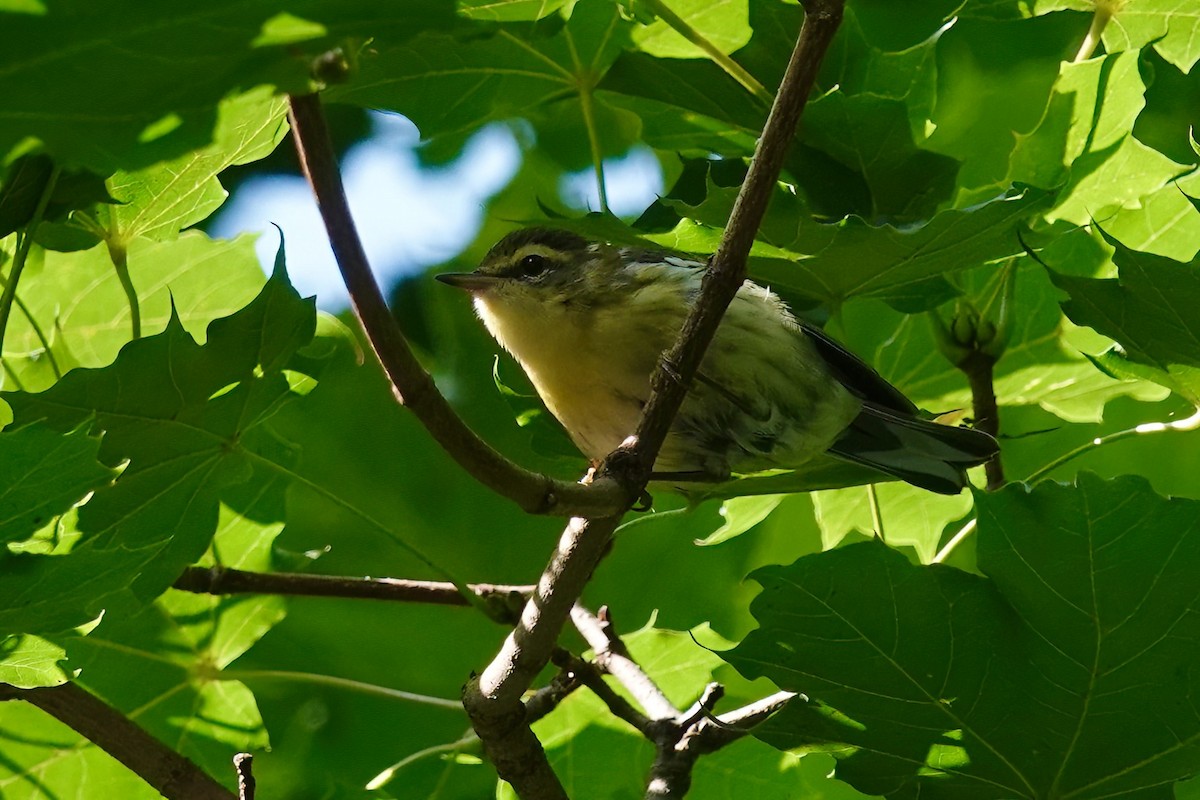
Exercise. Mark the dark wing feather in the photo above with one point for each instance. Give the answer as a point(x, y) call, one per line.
point(856, 375)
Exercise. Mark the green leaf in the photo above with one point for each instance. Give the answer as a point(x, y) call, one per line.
point(29, 661)
point(175, 63)
point(830, 263)
point(159, 201)
point(724, 23)
point(25, 181)
point(694, 105)
point(1038, 682)
point(741, 514)
point(510, 74)
point(189, 420)
point(1149, 310)
point(43, 473)
point(911, 517)
point(873, 115)
point(1164, 222)
point(995, 79)
point(178, 648)
point(1091, 110)
point(201, 278)
point(1084, 140)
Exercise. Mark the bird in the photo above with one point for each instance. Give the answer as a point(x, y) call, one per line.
point(588, 321)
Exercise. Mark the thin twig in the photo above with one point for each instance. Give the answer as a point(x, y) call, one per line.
point(332, 681)
point(590, 675)
point(547, 698)
point(613, 658)
point(1186, 424)
point(503, 599)
point(169, 773)
point(412, 385)
point(679, 737)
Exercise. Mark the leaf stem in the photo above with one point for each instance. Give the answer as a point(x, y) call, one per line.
point(385, 777)
point(1188, 424)
point(337, 683)
point(876, 513)
point(1100, 18)
point(725, 62)
point(120, 259)
point(41, 335)
point(24, 243)
point(589, 121)
point(954, 542)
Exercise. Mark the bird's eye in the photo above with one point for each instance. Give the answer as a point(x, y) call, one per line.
point(534, 265)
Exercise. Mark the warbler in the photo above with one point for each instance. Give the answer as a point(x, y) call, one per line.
point(588, 322)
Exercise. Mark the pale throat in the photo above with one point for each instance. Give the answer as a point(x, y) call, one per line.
point(579, 374)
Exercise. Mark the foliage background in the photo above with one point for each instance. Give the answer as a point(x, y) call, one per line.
point(938, 131)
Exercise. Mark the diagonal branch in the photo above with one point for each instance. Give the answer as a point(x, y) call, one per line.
point(493, 700)
point(614, 659)
point(727, 269)
point(412, 385)
point(171, 774)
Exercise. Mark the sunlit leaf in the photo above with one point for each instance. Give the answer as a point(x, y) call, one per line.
point(921, 677)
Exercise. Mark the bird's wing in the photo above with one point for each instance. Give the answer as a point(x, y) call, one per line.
point(856, 375)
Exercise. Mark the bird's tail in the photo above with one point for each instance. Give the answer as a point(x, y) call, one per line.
point(923, 453)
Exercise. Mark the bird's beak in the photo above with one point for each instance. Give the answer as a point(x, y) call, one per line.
point(470, 281)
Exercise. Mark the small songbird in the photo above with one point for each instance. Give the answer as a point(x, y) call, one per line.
point(588, 321)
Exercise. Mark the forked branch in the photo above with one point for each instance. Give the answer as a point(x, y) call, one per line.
point(493, 700)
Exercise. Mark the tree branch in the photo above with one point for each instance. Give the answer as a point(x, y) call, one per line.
point(613, 658)
point(503, 600)
point(679, 737)
point(633, 462)
point(493, 699)
point(411, 384)
point(589, 674)
point(171, 774)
